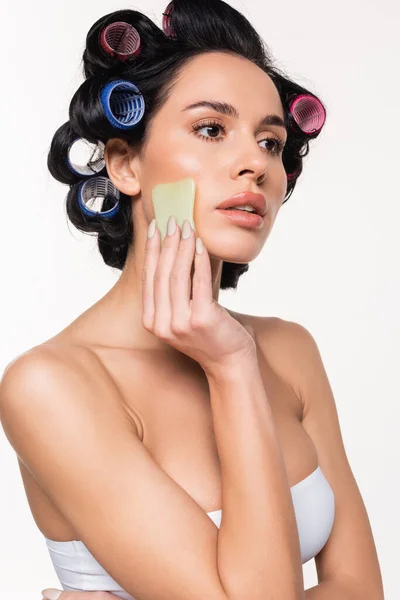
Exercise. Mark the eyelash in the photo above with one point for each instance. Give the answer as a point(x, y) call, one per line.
point(279, 143)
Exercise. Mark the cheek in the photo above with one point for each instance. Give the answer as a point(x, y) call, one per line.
point(187, 163)
point(172, 160)
point(280, 185)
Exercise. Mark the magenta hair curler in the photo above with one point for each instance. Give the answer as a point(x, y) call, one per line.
point(121, 39)
point(309, 116)
point(308, 112)
point(167, 21)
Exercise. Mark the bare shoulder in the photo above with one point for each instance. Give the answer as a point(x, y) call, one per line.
point(37, 361)
point(280, 331)
point(284, 344)
point(53, 367)
point(273, 333)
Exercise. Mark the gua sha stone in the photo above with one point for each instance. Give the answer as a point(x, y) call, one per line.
point(175, 199)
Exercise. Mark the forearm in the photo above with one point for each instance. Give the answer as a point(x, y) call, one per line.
point(335, 589)
point(258, 545)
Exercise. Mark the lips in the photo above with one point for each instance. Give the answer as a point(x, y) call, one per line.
point(257, 201)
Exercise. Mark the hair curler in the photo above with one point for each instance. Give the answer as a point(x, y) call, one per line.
point(121, 39)
point(85, 158)
point(308, 113)
point(98, 196)
point(167, 26)
point(123, 103)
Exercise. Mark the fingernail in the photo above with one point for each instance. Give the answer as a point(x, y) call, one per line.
point(186, 229)
point(199, 246)
point(152, 229)
point(171, 228)
point(51, 594)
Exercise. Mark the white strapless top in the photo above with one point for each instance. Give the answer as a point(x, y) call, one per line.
point(314, 508)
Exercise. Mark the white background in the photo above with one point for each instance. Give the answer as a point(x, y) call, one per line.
point(330, 263)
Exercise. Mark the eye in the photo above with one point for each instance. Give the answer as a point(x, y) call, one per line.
point(208, 125)
point(277, 148)
point(278, 145)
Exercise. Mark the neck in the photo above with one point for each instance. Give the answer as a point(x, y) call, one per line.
point(117, 317)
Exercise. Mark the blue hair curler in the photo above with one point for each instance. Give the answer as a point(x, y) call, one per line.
point(94, 193)
point(123, 103)
point(85, 158)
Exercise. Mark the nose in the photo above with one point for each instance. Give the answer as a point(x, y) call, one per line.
point(250, 160)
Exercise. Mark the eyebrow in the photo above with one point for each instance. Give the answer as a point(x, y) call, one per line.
point(228, 109)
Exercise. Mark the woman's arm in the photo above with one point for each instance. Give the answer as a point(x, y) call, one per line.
point(71, 431)
point(259, 553)
point(258, 550)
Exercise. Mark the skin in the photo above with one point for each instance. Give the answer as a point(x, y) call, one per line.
point(241, 160)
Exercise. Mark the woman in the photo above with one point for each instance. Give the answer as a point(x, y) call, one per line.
point(163, 410)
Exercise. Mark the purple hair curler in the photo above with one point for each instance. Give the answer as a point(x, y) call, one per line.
point(85, 158)
point(167, 21)
point(96, 193)
point(308, 112)
point(121, 39)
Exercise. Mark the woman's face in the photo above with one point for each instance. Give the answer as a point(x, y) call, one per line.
point(232, 157)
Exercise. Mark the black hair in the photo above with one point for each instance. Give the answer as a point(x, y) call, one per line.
point(200, 26)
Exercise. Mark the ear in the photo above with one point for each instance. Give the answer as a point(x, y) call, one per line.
point(123, 166)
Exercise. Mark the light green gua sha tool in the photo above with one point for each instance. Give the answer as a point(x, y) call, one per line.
point(174, 199)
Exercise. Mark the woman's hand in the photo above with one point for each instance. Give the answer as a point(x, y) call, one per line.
point(197, 326)
point(52, 594)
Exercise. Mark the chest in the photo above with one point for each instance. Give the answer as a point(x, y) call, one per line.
point(170, 404)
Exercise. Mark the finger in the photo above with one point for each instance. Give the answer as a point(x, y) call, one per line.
point(180, 284)
point(162, 297)
point(152, 252)
point(202, 284)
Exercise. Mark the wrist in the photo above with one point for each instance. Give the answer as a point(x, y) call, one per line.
point(233, 368)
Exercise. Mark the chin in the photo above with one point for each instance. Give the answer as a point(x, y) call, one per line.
point(231, 252)
point(231, 242)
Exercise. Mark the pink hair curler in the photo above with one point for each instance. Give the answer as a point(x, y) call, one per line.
point(309, 115)
point(291, 176)
point(121, 39)
point(308, 112)
point(167, 21)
